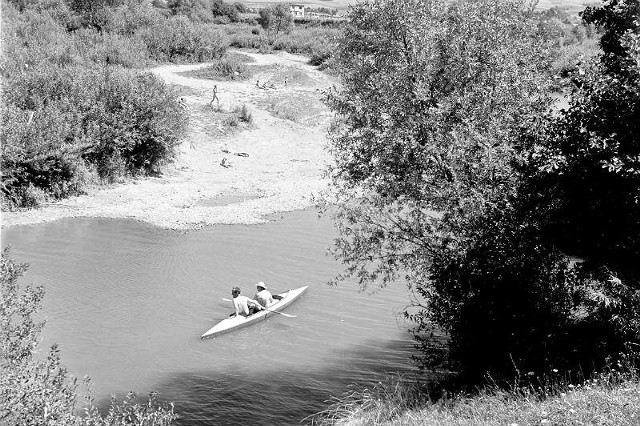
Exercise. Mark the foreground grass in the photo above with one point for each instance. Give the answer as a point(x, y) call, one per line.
point(603, 401)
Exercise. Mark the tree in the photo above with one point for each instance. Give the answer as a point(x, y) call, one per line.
point(432, 102)
point(275, 19)
point(93, 13)
point(552, 280)
point(220, 8)
point(615, 18)
point(582, 178)
point(452, 174)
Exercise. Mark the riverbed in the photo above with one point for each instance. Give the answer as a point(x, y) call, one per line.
point(127, 302)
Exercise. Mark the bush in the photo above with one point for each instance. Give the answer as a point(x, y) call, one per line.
point(62, 124)
point(37, 160)
point(59, 10)
point(245, 114)
point(105, 48)
point(136, 118)
point(178, 38)
point(33, 38)
point(132, 17)
point(514, 303)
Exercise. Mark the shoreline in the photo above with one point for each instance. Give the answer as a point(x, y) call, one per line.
point(281, 168)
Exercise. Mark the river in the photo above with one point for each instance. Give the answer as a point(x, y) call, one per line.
point(126, 302)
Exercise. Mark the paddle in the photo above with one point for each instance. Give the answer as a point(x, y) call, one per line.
point(269, 310)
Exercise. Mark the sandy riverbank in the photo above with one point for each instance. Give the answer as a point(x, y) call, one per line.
point(280, 169)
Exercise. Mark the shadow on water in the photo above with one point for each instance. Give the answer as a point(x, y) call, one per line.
point(279, 397)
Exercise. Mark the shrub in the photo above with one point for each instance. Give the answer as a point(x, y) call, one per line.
point(245, 114)
point(178, 38)
point(62, 123)
point(33, 38)
point(221, 9)
point(37, 159)
point(105, 48)
point(132, 17)
point(59, 10)
point(136, 118)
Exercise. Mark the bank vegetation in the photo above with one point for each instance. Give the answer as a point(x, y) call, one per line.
point(514, 223)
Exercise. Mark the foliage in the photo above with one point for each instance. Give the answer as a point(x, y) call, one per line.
point(221, 9)
point(582, 178)
point(59, 10)
point(227, 68)
point(178, 38)
point(431, 99)
point(132, 17)
point(40, 391)
point(453, 175)
point(204, 10)
point(110, 48)
point(615, 18)
point(93, 13)
point(245, 114)
point(194, 10)
point(318, 43)
point(276, 19)
point(66, 122)
point(72, 116)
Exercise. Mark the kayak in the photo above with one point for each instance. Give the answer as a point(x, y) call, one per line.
point(239, 321)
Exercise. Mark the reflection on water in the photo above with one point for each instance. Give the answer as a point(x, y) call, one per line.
point(127, 302)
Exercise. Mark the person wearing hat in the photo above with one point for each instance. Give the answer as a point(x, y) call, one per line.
point(244, 306)
point(264, 296)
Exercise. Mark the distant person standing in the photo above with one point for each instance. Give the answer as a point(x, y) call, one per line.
point(215, 96)
point(244, 306)
point(285, 81)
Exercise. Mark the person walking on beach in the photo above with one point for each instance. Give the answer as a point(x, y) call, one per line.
point(244, 306)
point(264, 296)
point(215, 96)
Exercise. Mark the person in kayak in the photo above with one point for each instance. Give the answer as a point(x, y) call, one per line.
point(264, 296)
point(244, 306)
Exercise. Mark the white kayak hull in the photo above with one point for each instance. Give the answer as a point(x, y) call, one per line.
point(239, 321)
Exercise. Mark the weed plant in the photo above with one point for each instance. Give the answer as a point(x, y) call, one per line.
point(245, 114)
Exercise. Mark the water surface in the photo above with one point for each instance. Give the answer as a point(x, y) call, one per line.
point(127, 302)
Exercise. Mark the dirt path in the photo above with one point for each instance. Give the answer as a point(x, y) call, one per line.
point(279, 168)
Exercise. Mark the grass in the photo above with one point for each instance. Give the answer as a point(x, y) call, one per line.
point(222, 121)
point(299, 108)
point(227, 68)
point(611, 399)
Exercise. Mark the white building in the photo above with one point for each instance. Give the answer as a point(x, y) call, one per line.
point(297, 10)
